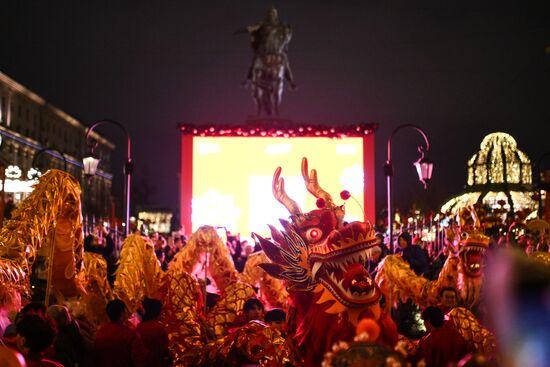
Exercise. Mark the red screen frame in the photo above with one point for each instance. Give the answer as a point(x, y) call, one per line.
point(186, 182)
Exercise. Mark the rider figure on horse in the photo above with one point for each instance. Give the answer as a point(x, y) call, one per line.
point(270, 66)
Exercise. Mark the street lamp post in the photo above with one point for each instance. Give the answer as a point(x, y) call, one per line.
point(90, 165)
point(34, 163)
point(424, 168)
point(540, 185)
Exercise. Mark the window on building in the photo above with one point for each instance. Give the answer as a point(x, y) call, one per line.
point(2, 109)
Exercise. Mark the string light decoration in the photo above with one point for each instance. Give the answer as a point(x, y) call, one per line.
point(13, 172)
point(499, 161)
point(499, 172)
point(276, 128)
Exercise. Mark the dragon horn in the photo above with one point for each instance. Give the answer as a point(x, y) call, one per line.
point(461, 221)
point(477, 223)
point(312, 184)
point(279, 193)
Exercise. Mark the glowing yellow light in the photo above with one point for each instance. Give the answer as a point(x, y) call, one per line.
point(499, 161)
point(157, 221)
point(208, 148)
point(346, 149)
point(18, 185)
point(352, 179)
point(216, 209)
point(523, 200)
point(273, 149)
point(241, 179)
point(13, 172)
point(461, 201)
point(492, 198)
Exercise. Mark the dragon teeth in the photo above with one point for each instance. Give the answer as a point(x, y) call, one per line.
point(343, 263)
point(476, 248)
point(368, 254)
point(315, 269)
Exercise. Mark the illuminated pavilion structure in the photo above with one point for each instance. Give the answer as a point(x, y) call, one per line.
point(499, 178)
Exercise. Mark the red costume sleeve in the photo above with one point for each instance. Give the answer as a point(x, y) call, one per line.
point(388, 331)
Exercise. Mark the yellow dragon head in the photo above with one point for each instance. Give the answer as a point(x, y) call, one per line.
point(472, 242)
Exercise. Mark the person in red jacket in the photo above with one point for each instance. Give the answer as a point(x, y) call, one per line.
point(153, 333)
point(443, 344)
point(117, 344)
point(35, 334)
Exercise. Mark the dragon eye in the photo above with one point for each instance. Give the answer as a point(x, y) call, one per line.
point(464, 236)
point(314, 234)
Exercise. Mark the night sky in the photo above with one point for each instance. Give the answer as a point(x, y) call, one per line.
point(459, 70)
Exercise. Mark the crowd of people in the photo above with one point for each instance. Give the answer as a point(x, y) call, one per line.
point(59, 335)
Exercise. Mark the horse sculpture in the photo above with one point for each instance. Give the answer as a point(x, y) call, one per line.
point(270, 67)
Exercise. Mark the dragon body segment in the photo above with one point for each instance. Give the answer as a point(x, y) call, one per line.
point(206, 243)
point(272, 291)
point(398, 281)
point(462, 270)
point(479, 338)
point(138, 274)
point(46, 226)
point(192, 331)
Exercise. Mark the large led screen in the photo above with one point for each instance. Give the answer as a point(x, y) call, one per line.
point(232, 179)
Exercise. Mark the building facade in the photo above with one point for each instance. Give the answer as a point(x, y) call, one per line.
point(36, 136)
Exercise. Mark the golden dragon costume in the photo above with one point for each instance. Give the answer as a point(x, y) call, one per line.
point(321, 260)
point(46, 226)
point(463, 270)
point(192, 331)
point(272, 291)
point(220, 266)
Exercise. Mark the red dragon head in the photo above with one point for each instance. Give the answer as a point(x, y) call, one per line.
point(317, 251)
